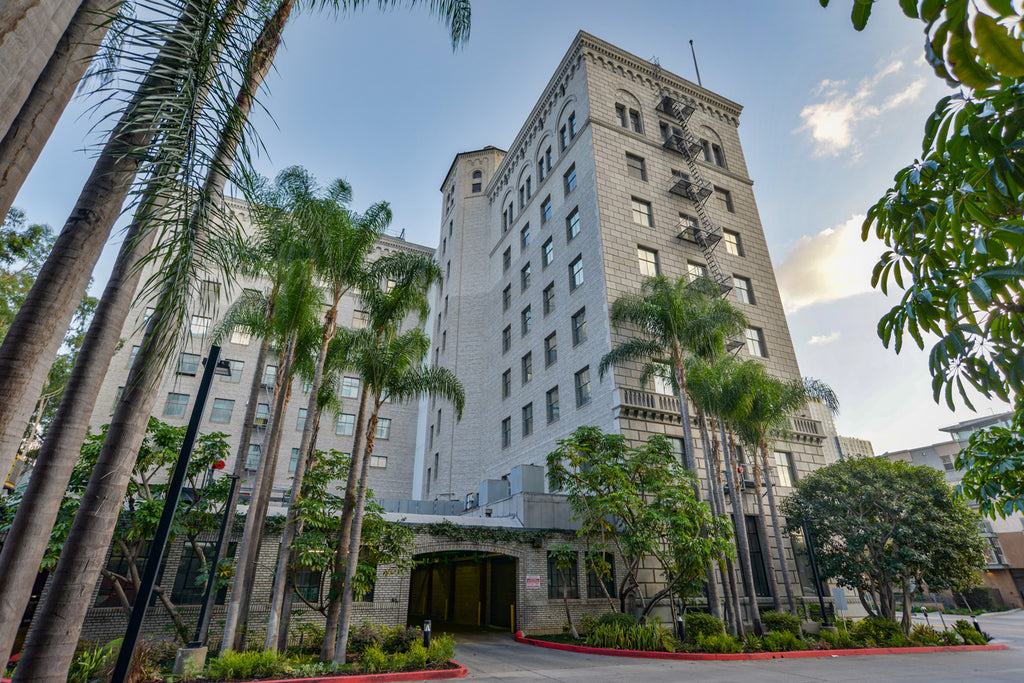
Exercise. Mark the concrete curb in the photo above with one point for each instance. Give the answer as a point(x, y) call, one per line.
point(740, 656)
point(432, 675)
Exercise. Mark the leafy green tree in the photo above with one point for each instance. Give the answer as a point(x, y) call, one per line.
point(197, 514)
point(880, 527)
point(564, 556)
point(640, 501)
point(953, 224)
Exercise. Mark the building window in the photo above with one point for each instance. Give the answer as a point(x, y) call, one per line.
point(350, 387)
point(506, 432)
point(384, 428)
point(524, 277)
point(642, 212)
point(528, 419)
point(269, 375)
point(506, 384)
point(636, 167)
point(526, 320)
point(579, 327)
point(545, 210)
point(549, 298)
point(620, 113)
point(744, 294)
point(695, 271)
point(359, 318)
point(444, 340)
point(755, 342)
point(131, 356)
point(187, 589)
point(175, 406)
point(547, 251)
point(678, 449)
point(552, 405)
point(706, 149)
point(222, 409)
point(506, 219)
point(506, 298)
point(634, 121)
point(188, 363)
point(725, 198)
point(572, 125)
point(524, 237)
point(506, 338)
point(550, 349)
point(293, 463)
point(526, 364)
point(252, 457)
point(547, 160)
point(563, 138)
point(262, 416)
point(570, 179)
point(605, 577)
point(240, 336)
point(687, 222)
point(563, 582)
point(300, 421)
point(477, 181)
point(718, 154)
point(522, 196)
point(757, 558)
point(236, 371)
point(380, 461)
point(346, 425)
point(947, 463)
point(576, 272)
point(648, 262)
point(785, 468)
point(732, 243)
point(506, 259)
point(572, 224)
point(582, 381)
point(200, 325)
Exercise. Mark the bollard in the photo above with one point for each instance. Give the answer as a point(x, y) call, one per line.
point(426, 633)
point(680, 628)
point(924, 611)
point(977, 626)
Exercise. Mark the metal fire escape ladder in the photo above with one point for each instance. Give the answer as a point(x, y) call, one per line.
point(698, 190)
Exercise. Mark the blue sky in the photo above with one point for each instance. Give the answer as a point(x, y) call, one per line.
point(829, 116)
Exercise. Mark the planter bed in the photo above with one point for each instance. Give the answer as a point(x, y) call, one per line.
point(715, 657)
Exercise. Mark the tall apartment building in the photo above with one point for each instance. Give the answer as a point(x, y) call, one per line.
point(539, 240)
point(834, 446)
point(391, 468)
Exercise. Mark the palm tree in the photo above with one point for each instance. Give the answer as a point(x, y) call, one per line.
point(672, 320)
point(22, 143)
point(340, 242)
point(391, 370)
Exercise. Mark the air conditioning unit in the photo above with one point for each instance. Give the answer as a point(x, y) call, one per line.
point(471, 500)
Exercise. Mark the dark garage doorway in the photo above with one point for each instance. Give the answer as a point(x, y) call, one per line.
point(463, 590)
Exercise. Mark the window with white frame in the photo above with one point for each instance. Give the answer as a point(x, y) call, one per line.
point(221, 411)
point(269, 375)
point(359, 320)
point(188, 363)
point(744, 293)
point(346, 425)
point(641, 212)
point(200, 325)
point(300, 421)
point(785, 468)
point(236, 371)
point(384, 428)
point(350, 387)
point(732, 243)
point(648, 261)
point(262, 416)
point(636, 167)
point(176, 404)
point(240, 336)
point(755, 342)
point(695, 270)
point(252, 457)
point(378, 461)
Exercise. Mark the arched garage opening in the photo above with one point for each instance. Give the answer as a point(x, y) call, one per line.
point(463, 589)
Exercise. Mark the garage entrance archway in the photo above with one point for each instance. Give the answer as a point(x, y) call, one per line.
point(463, 590)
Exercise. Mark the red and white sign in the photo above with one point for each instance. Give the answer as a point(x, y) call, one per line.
point(532, 581)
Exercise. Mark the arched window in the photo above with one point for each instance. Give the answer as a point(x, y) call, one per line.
point(477, 178)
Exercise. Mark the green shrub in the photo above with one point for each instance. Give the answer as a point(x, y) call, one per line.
point(951, 638)
point(89, 663)
point(652, 637)
point(400, 638)
point(783, 641)
point(970, 634)
point(779, 621)
point(373, 660)
point(879, 632)
point(417, 657)
point(616, 618)
point(922, 636)
point(586, 624)
point(721, 643)
point(311, 638)
point(363, 636)
point(442, 650)
point(753, 643)
point(230, 665)
point(701, 624)
point(841, 640)
point(611, 636)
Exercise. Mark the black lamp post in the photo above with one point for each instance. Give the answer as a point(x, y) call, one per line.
point(814, 571)
point(163, 531)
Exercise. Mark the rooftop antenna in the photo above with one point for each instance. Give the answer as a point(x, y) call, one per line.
point(695, 67)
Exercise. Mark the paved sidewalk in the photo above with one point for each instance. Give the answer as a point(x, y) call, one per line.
point(499, 658)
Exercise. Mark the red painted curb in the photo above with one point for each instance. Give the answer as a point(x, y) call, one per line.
point(732, 657)
point(431, 675)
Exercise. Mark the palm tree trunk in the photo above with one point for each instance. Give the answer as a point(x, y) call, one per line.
point(29, 33)
point(762, 528)
point(278, 593)
point(714, 606)
point(348, 594)
point(728, 571)
point(684, 413)
point(37, 330)
point(740, 529)
point(341, 555)
point(259, 503)
point(783, 562)
point(30, 130)
point(29, 535)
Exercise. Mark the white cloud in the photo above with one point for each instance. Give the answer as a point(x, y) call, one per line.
point(836, 122)
point(834, 264)
point(822, 339)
